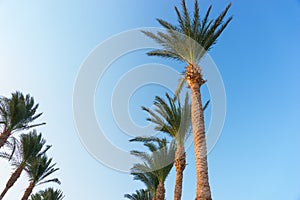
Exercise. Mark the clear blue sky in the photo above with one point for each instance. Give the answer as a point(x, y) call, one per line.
point(43, 44)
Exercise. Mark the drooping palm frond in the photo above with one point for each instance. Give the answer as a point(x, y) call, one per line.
point(13, 152)
point(182, 82)
point(191, 37)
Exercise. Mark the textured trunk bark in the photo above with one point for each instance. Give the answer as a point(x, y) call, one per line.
point(3, 137)
point(180, 162)
point(13, 178)
point(160, 192)
point(28, 191)
point(195, 80)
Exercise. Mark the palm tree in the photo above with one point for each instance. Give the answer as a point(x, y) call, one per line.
point(48, 194)
point(16, 113)
point(159, 162)
point(38, 169)
point(188, 42)
point(174, 120)
point(31, 146)
point(139, 195)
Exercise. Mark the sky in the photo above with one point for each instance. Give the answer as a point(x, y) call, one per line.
point(45, 43)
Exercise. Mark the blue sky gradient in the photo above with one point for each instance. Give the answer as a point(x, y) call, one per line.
point(43, 44)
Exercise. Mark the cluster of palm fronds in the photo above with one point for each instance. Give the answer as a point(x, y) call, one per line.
point(25, 151)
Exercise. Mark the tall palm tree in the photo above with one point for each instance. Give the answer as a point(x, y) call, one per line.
point(38, 169)
point(139, 195)
point(31, 146)
point(173, 119)
point(159, 162)
point(48, 194)
point(188, 42)
point(16, 113)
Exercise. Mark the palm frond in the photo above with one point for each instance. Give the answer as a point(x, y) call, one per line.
point(206, 105)
point(179, 88)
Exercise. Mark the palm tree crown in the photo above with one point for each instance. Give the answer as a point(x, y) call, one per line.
point(192, 37)
point(158, 163)
point(17, 113)
point(171, 118)
point(149, 179)
point(48, 194)
point(139, 195)
point(29, 147)
point(40, 168)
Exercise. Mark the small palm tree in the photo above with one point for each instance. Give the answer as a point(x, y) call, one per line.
point(31, 146)
point(159, 162)
point(175, 120)
point(38, 169)
point(139, 195)
point(48, 194)
point(16, 113)
point(188, 42)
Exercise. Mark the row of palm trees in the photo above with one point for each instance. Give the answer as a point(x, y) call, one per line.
point(25, 151)
point(173, 119)
point(187, 41)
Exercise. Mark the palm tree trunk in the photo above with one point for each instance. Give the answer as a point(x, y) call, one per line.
point(160, 191)
point(3, 137)
point(13, 178)
point(28, 191)
point(195, 80)
point(180, 162)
